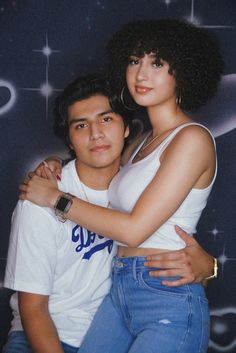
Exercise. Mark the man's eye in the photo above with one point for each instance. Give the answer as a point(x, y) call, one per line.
point(106, 119)
point(80, 126)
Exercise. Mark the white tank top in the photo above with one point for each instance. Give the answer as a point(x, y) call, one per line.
point(127, 186)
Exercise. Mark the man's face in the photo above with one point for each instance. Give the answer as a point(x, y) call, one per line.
point(96, 133)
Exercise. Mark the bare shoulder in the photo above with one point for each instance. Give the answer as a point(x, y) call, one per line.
point(194, 141)
point(194, 136)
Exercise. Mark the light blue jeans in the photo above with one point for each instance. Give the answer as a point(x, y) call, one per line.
point(18, 343)
point(140, 315)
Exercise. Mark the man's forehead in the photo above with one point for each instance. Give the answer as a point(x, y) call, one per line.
point(90, 107)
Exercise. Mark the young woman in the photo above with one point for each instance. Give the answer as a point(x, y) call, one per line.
point(167, 67)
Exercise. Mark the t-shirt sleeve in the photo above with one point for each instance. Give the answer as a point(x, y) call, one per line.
point(32, 252)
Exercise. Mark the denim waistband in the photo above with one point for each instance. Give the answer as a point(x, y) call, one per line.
point(128, 263)
point(135, 265)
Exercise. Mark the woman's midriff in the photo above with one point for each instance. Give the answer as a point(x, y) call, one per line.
point(124, 251)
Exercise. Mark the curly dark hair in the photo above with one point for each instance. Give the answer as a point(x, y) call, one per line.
point(192, 53)
point(82, 88)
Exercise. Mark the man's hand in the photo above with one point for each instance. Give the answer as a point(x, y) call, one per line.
point(192, 264)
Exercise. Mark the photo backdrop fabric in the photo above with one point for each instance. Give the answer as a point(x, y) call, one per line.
point(43, 46)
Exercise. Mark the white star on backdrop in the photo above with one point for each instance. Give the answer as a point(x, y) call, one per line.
point(215, 232)
point(46, 88)
point(193, 19)
point(223, 258)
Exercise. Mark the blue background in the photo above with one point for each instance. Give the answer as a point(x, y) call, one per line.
point(43, 46)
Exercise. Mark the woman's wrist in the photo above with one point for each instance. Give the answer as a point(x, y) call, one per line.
point(62, 206)
point(54, 195)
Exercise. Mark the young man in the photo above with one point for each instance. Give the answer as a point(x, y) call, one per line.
point(61, 270)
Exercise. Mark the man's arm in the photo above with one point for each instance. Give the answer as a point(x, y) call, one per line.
point(30, 269)
point(37, 323)
point(192, 263)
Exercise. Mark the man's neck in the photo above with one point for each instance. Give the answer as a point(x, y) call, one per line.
point(96, 178)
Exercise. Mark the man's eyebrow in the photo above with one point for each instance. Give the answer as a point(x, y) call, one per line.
point(83, 119)
point(106, 112)
point(76, 120)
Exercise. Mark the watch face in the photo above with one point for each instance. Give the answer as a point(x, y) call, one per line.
point(62, 203)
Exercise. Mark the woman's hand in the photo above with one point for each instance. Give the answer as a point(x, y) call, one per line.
point(40, 190)
point(53, 163)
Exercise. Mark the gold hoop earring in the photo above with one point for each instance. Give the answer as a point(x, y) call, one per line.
point(123, 102)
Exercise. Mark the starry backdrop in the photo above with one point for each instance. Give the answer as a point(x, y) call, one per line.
point(44, 45)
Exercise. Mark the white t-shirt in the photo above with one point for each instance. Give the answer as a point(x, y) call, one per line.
point(63, 260)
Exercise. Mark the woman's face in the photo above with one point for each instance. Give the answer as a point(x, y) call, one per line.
point(149, 82)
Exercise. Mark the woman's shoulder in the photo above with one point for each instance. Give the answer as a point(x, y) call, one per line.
point(193, 139)
point(194, 133)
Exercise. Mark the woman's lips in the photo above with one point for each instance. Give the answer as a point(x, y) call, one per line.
point(142, 89)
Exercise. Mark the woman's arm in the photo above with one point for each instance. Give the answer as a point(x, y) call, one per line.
point(185, 164)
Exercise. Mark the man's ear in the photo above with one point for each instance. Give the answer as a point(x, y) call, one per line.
point(126, 131)
point(69, 143)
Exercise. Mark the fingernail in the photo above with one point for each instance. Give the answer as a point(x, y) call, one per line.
point(58, 177)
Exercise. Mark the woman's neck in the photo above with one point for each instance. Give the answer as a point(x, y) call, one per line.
point(163, 118)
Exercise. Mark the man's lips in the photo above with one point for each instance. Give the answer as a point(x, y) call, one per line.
point(142, 89)
point(99, 148)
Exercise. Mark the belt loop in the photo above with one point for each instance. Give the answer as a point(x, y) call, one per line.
point(134, 268)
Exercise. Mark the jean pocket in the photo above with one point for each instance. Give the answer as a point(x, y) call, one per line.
point(154, 284)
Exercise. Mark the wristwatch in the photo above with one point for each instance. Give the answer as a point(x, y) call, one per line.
point(215, 270)
point(62, 206)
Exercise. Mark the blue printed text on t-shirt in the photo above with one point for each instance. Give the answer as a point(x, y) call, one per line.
point(88, 239)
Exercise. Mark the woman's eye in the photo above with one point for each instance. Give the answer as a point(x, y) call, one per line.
point(133, 61)
point(157, 65)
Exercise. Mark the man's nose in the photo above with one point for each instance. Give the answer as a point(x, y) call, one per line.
point(96, 131)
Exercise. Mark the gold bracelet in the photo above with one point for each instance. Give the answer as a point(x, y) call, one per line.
point(215, 270)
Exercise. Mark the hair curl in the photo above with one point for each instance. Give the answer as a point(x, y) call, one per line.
point(192, 53)
point(82, 88)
